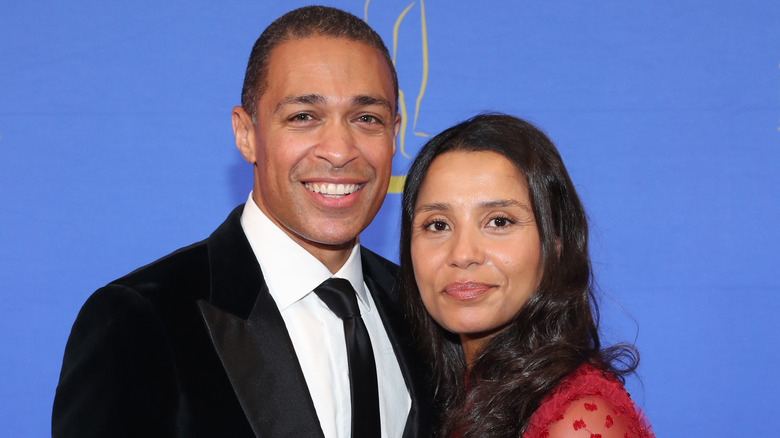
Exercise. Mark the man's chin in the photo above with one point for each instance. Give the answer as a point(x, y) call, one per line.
point(333, 243)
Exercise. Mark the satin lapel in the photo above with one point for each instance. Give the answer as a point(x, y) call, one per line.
point(252, 342)
point(400, 337)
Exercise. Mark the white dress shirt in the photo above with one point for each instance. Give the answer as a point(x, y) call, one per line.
point(317, 334)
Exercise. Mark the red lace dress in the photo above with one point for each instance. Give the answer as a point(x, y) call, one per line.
point(588, 403)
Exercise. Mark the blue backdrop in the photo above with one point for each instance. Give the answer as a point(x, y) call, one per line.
point(116, 148)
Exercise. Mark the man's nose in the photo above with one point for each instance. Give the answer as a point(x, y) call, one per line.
point(337, 144)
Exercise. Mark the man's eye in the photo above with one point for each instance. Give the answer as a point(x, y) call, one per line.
point(302, 117)
point(367, 118)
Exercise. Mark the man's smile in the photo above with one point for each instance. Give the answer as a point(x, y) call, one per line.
point(332, 190)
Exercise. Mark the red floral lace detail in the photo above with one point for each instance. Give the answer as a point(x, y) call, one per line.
point(602, 391)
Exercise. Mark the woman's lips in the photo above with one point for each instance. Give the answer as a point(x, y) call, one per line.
point(467, 290)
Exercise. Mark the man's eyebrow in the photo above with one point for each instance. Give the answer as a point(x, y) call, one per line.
point(314, 99)
point(365, 100)
point(301, 99)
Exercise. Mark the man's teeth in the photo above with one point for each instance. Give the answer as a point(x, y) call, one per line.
point(332, 189)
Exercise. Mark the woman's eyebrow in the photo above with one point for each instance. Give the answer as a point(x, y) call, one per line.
point(434, 206)
point(503, 203)
point(493, 203)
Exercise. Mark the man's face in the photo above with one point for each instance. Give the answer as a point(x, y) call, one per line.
point(323, 140)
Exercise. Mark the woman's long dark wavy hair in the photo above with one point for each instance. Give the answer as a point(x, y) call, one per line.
point(553, 333)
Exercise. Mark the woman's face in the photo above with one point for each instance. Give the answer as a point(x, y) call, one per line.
point(475, 247)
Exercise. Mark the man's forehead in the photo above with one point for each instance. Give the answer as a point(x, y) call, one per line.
point(295, 52)
point(315, 44)
point(324, 70)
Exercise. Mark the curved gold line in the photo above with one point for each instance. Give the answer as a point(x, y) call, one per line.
point(395, 28)
point(402, 133)
point(365, 11)
point(425, 63)
point(396, 184)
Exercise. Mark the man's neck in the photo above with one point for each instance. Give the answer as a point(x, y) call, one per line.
point(332, 256)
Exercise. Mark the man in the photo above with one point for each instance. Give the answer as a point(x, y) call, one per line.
point(227, 337)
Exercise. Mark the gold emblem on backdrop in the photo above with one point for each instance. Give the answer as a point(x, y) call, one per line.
point(397, 181)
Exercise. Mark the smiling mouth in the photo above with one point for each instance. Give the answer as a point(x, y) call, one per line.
point(330, 190)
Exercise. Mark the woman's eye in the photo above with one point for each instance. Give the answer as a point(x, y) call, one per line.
point(500, 222)
point(436, 226)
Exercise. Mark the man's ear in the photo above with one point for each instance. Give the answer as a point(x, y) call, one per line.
point(396, 128)
point(244, 131)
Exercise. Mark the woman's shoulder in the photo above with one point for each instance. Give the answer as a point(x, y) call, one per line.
point(588, 403)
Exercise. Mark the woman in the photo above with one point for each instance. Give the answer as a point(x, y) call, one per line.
point(496, 281)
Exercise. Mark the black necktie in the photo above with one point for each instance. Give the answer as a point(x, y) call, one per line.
point(340, 297)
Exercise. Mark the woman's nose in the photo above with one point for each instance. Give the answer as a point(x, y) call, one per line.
point(466, 250)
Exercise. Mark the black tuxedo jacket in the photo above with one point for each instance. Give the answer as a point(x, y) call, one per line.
point(193, 345)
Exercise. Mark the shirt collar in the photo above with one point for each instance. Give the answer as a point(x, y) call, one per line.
point(291, 272)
